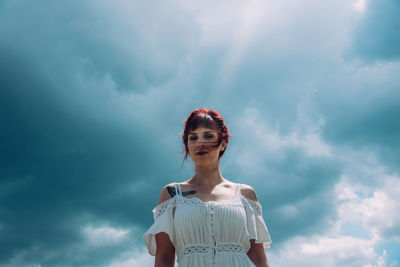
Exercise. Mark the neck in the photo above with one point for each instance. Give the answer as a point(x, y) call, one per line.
point(207, 175)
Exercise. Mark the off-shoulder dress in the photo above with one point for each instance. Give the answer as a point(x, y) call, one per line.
point(213, 233)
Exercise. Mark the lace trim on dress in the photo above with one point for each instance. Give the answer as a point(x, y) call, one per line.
point(197, 201)
point(178, 198)
point(204, 249)
point(254, 204)
point(207, 249)
point(230, 248)
point(196, 249)
point(163, 206)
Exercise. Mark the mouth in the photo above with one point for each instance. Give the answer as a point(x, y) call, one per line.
point(201, 153)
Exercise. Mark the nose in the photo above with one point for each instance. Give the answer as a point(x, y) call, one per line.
point(200, 144)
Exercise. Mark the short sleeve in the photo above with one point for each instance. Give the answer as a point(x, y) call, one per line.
point(255, 223)
point(163, 222)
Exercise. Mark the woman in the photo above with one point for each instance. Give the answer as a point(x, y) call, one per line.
point(207, 220)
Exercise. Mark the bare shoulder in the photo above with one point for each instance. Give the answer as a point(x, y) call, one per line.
point(248, 192)
point(167, 192)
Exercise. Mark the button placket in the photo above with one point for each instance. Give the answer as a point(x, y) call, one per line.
point(211, 210)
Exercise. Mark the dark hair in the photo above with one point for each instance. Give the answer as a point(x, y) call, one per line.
point(207, 119)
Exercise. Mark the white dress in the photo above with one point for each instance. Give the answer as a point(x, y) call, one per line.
point(209, 233)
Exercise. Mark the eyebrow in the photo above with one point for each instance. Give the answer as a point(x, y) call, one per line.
point(204, 132)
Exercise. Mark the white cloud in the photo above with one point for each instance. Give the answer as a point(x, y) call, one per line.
point(104, 235)
point(344, 247)
point(142, 258)
point(138, 258)
point(360, 5)
point(377, 212)
point(325, 251)
point(270, 138)
point(248, 24)
point(372, 209)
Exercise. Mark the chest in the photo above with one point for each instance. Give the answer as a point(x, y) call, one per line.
point(196, 214)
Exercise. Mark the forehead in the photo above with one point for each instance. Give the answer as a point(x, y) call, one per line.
point(201, 130)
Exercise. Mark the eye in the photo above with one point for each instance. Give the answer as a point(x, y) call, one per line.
point(193, 138)
point(208, 136)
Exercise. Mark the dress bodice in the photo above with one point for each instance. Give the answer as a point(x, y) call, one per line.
point(213, 233)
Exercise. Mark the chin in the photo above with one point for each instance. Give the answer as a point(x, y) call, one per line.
point(205, 161)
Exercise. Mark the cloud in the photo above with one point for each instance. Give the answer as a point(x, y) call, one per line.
point(104, 234)
point(294, 176)
point(375, 38)
point(72, 152)
point(326, 251)
point(360, 5)
point(93, 96)
point(370, 209)
point(143, 259)
point(125, 42)
point(360, 115)
point(375, 210)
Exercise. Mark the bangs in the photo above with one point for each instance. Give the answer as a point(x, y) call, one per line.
point(203, 120)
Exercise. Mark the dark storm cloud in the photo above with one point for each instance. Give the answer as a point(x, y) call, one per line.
point(124, 41)
point(297, 193)
point(367, 118)
point(92, 99)
point(69, 156)
point(61, 168)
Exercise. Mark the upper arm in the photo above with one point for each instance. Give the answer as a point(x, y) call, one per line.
point(167, 192)
point(165, 249)
point(248, 192)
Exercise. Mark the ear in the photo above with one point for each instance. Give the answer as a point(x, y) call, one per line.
point(223, 145)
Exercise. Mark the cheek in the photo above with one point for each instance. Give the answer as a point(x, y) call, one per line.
point(190, 146)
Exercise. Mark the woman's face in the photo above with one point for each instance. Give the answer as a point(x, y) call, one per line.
point(202, 145)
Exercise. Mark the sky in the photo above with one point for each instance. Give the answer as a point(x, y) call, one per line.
point(93, 95)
